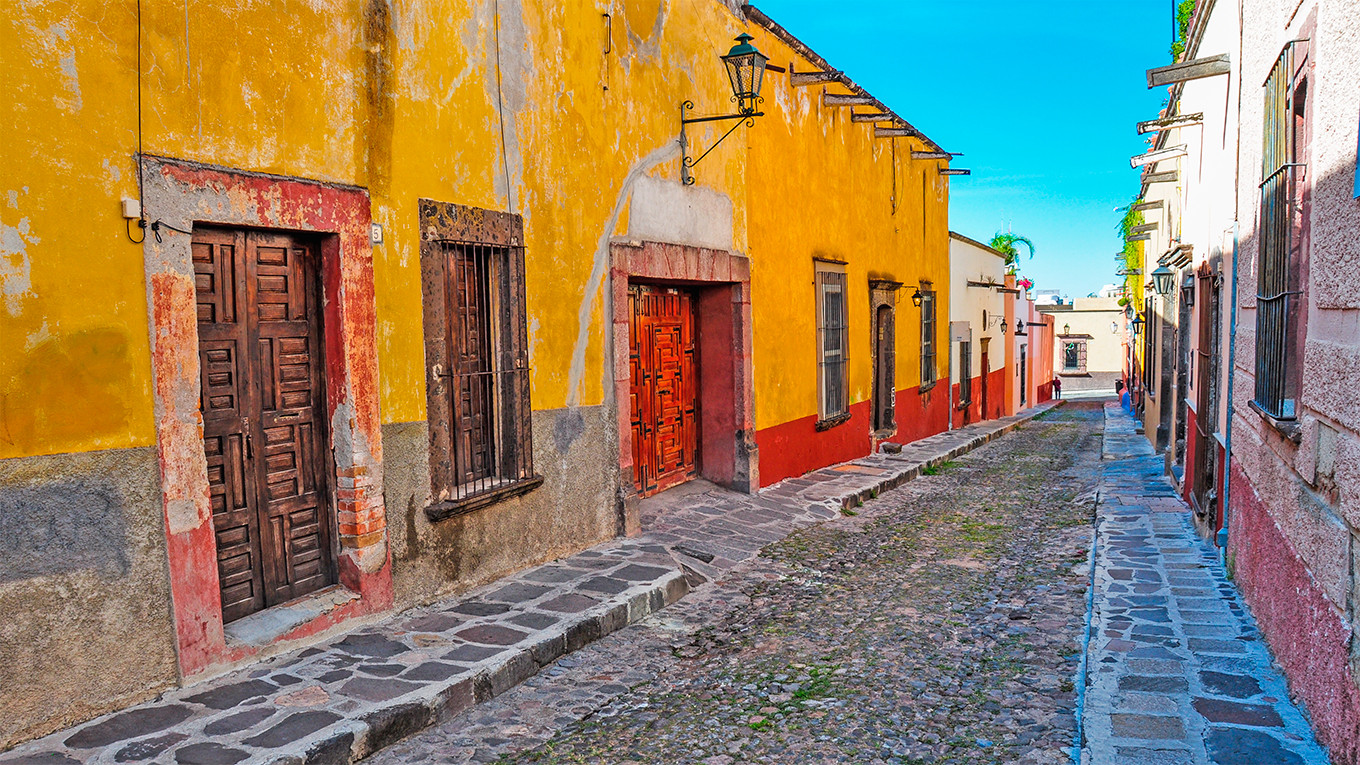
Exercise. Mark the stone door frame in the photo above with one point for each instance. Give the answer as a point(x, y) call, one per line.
point(179, 194)
point(721, 281)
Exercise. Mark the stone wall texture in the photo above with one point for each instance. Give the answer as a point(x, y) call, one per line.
point(82, 540)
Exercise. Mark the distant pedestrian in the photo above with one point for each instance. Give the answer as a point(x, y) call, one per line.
point(1057, 388)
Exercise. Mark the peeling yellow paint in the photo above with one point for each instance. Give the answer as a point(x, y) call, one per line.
point(439, 99)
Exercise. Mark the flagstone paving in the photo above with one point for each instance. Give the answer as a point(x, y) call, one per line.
point(343, 701)
point(1179, 674)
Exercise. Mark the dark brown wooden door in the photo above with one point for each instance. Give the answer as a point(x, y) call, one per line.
point(264, 427)
point(1204, 488)
point(885, 362)
point(663, 400)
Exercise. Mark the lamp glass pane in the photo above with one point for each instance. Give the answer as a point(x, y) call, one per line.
point(758, 62)
point(733, 73)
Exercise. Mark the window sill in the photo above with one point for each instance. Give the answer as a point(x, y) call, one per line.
point(1290, 429)
point(927, 387)
point(1074, 374)
point(964, 404)
point(451, 508)
point(832, 422)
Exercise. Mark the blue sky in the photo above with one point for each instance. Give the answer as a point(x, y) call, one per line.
point(1041, 96)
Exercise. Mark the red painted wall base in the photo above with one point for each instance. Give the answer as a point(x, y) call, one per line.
point(1307, 633)
point(797, 447)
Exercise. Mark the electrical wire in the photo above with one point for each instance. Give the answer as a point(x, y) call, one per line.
point(160, 224)
point(141, 186)
point(500, 109)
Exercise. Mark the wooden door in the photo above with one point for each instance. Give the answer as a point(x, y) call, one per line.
point(264, 424)
point(663, 400)
point(1204, 488)
point(1024, 374)
point(885, 363)
point(471, 339)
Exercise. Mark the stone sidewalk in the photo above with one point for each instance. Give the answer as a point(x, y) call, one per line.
point(341, 702)
point(1177, 673)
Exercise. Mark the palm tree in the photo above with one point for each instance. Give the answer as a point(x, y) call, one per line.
point(1006, 245)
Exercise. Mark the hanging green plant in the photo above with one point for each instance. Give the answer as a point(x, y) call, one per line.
point(1185, 10)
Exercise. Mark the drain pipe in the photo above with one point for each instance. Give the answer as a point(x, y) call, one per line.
point(1083, 669)
point(1222, 537)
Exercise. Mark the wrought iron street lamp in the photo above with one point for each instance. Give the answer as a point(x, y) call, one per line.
point(917, 297)
point(1067, 329)
point(1162, 279)
point(1020, 327)
point(746, 72)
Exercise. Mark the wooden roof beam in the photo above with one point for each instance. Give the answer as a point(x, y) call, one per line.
point(896, 132)
point(843, 99)
point(801, 79)
point(1168, 123)
point(1185, 71)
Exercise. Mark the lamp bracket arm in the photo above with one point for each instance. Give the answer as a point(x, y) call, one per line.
point(720, 118)
point(687, 161)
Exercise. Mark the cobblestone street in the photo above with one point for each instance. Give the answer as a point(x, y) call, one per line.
point(939, 622)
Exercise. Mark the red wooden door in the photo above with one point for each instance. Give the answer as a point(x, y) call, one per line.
point(264, 427)
point(663, 400)
point(986, 374)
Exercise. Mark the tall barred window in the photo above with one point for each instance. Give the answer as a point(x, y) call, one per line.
point(928, 327)
point(833, 343)
point(1278, 291)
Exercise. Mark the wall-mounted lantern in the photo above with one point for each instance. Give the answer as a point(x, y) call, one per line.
point(1137, 323)
point(1162, 279)
point(1114, 328)
point(1020, 328)
point(746, 71)
point(917, 297)
point(1067, 329)
point(1003, 326)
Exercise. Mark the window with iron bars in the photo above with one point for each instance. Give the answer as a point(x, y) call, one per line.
point(833, 343)
point(927, 335)
point(1074, 356)
point(1278, 291)
point(481, 439)
point(965, 373)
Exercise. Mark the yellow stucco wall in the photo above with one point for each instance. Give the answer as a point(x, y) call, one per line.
point(823, 186)
point(405, 100)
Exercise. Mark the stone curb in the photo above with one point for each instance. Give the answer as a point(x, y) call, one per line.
point(436, 704)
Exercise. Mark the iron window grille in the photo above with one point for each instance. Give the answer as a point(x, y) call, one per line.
point(833, 344)
point(481, 436)
point(927, 335)
point(965, 373)
point(1074, 356)
point(1277, 290)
